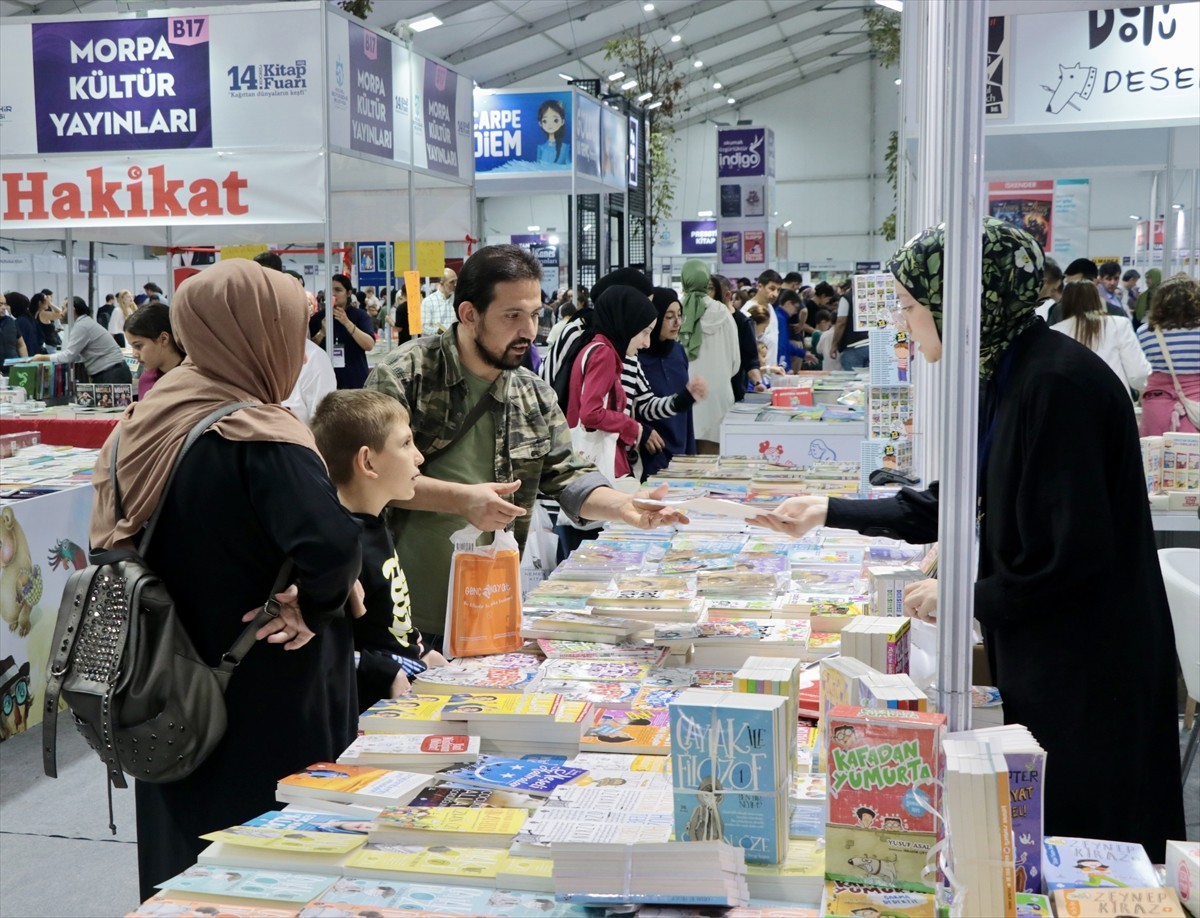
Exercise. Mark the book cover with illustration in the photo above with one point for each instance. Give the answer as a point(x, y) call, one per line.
point(484, 706)
point(410, 714)
point(1033, 905)
point(879, 858)
point(170, 905)
point(413, 823)
point(246, 883)
point(650, 696)
point(452, 678)
point(1069, 863)
point(883, 767)
point(358, 784)
point(1025, 775)
point(290, 840)
point(612, 694)
point(595, 670)
point(361, 896)
point(852, 900)
point(647, 731)
point(445, 795)
point(729, 771)
point(1101, 903)
point(521, 775)
point(411, 749)
point(463, 866)
point(300, 821)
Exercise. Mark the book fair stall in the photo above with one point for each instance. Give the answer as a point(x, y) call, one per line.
point(716, 718)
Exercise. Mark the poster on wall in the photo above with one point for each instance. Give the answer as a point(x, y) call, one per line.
point(372, 265)
point(522, 132)
point(998, 63)
point(698, 237)
point(614, 144)
point(1055, 212)
point(1120, 68)
point(547, 254)
point(159, 82)
point(745, 181)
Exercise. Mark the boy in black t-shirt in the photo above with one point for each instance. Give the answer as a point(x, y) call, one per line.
point(366, 442)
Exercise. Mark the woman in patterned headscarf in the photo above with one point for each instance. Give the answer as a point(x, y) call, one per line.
point(1066, 548)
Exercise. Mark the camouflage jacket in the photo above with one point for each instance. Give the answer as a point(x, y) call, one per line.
point(533, 443)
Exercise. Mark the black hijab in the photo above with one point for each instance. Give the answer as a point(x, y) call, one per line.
point(662, 299)
point(621, 313)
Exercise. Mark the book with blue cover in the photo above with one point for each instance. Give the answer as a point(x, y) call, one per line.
point(730, 772)
point(1069, 863)
point(491, 771)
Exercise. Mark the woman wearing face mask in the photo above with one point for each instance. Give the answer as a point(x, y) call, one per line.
point(622, 324)
point(149, 334)
point(666, 367)
point(1069, 589)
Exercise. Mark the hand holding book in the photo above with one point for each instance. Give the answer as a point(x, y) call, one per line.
point(795, 516)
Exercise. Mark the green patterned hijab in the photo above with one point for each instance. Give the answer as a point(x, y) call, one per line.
point(1012, 277)
point(695, 290)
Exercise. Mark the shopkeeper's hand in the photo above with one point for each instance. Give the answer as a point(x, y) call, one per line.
point(643, 512)
point(485, 508)
point(795, 516)
point(920, 600)
point(654, 442)
point(288, 628)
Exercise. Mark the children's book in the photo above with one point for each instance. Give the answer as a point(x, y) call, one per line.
point(847, 900)
point(447, 795)
point(613, 694)
point(730, 770)
point(290, 841)
point(172, 905)
point(357, 785)
point(595, 670)
point(461, 866)
point(1069, 863)
point(362, 895)
point(300, 821)
point(883, 767)
point(534, 778)
point(485, 707)
point(1033, 905)
point(484, 827)
point(411, 714)
point(446, 680)
point(1102, 903)
point(410, 751)
point(652, 697)
point(645, 731)
point(215, 880)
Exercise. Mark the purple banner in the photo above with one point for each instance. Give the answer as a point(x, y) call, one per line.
point(370, 93)
point(441, 141)
point(741, 152)
point(699, 237)
point(127, 84)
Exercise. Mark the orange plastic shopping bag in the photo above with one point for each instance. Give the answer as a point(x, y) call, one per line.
point(483, 603)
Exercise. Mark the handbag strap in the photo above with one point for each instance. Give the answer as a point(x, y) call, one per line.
point(233, 656)
point(1162, 343)
point(469, 421)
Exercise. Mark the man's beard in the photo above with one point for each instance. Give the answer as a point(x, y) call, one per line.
point(503, 360)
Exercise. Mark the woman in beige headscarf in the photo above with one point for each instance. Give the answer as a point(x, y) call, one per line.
point(712, 347)
point(251, 492)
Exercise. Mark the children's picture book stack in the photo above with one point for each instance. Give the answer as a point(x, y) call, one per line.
point(583, 626)
point(355, 790)
point(840, 683)
point(851, 900)
point(824, 611)
point(316, 843)
point(882, 768)
point(978, 827)
point(559, 595)
point(478, 827)
point(882, 642)
point(731, 770)
point(230, 885)
point(799, 877)
point(525, 776)
point(730, 641)
point(511, 673)
point(638, 731)
point(678, 873)
point(515, 725)
point(597, 814)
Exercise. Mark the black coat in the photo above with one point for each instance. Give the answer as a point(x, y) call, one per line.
point(234, 512)
point(1070, 597)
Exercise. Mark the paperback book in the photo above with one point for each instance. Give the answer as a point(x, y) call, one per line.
point(410, 752)
point(645, 731)
point(1068, 863)
point(521, 775)
point(328, 783)
point(366, 896)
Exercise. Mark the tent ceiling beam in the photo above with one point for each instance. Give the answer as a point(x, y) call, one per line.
point(526, 30)
point(697, 48)
point(815, 57)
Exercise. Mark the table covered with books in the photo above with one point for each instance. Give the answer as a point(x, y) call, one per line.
point(711, 721)
point(64, 426)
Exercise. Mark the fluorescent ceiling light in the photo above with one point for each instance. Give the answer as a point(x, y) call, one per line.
point(697, 64)
point(676, 38)
point(648, 7)
point(567, 77)
point(644, 96)
point(787, 223)
point(897, 5)
point(629, 84)
point(898, 81)
point(425, 23)
point(717, 85)
point(619, 75)
point(533, 229)
point(553, 240)
point(731, 100)
point(657, 104)
point(1134, 217)
point(704, 213)
point(1177, 207)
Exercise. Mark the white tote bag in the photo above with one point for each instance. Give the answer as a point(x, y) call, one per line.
point(599, 447)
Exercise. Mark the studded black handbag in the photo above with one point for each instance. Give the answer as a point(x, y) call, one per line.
point(123, 663)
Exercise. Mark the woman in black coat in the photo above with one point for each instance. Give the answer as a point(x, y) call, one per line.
point(1069, 596)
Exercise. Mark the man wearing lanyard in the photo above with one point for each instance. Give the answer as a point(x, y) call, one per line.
point(353, 336)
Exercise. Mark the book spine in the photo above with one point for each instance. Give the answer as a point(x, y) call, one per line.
point(1004, 811)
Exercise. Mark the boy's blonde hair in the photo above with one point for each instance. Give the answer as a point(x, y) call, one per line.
point(346, 420)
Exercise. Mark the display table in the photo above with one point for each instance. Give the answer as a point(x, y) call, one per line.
point(791, 442)
point(1176, 528)
point(64, 426)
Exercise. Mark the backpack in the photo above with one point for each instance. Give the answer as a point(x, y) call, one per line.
point(139, 693)
point(103, 314)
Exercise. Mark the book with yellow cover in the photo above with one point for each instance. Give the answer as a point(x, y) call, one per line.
point(467, 866)
point(287, 840)
point(486, 706)
point(357, 785)
point(410, 714)
point(535, 874)
point(844, 900)
point(451, 825)
point(1091, 903)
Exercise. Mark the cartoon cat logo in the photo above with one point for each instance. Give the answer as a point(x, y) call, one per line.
point(1072, 81)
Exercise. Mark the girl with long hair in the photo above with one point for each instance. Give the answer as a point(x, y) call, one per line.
point(1086, 319)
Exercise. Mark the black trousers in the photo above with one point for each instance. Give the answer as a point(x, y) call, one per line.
point(117, 373)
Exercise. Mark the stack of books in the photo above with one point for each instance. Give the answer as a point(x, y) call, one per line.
point(512, 673)
point(596, 814)
point(524, 776)
point(354, 790)
point(673, 873)
point(516, 725)
point(882, 642)
point(558, 595)
point(295, 840)
point(731, 766)
point(773, 676)
point(885, 587)
point(840, 683)
point(581, 626)
point(422, 753)
point(482, 827)
point(852, 899)
point(640, 731)
point(883, 768)
point(799, 877)
point(892, 690)
point(1102, 903)
point(824, 611)
point(979, 828)
point(1071, 863)
point(1183, 872)
point(730, 641)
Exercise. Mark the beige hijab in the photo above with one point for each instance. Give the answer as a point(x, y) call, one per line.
point(243, 328)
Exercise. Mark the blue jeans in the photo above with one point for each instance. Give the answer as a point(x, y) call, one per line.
point(854, 357)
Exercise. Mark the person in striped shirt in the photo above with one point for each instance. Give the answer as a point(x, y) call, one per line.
point(1175, 315)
